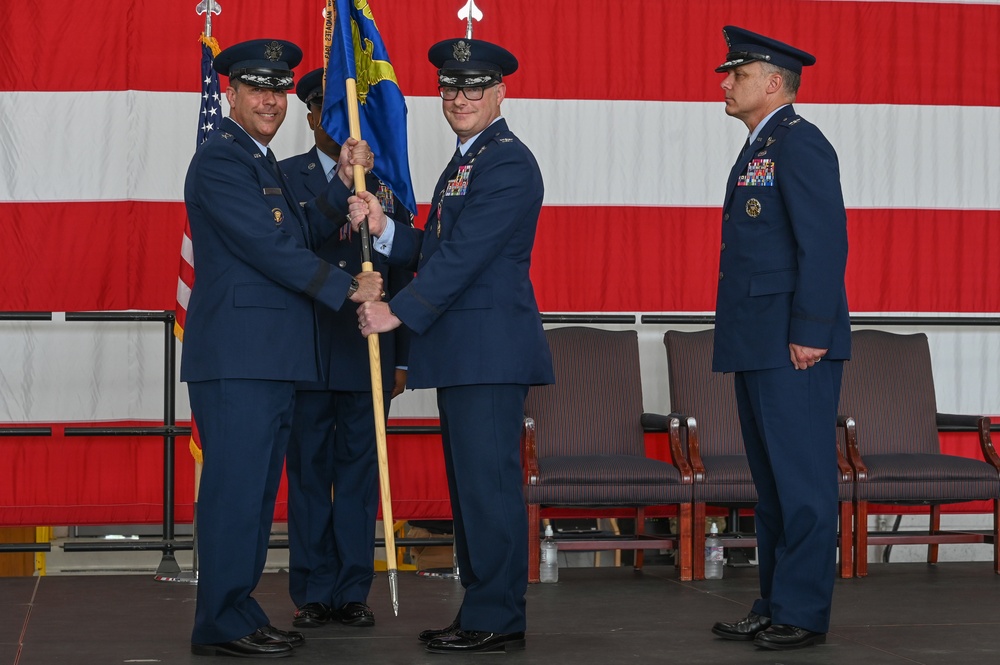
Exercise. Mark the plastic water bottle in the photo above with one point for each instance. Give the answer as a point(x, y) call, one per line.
point(713, 555)
point(548, 569)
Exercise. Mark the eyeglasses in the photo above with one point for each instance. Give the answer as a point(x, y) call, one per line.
point(473, 94)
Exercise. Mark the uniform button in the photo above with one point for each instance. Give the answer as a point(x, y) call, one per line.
point(723, 248)
point(725, 217)
point(341, 264)
point(721, 275)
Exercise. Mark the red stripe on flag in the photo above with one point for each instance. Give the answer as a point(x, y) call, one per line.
point(589, 259)
point(868, 52)
point(89, 255)
point(185, 282)
point(586, 258)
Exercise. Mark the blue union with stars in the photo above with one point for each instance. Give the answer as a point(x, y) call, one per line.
point(210, 116)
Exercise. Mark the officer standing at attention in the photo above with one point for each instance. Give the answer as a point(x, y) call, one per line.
point(331, 546)
point(781, 309)
point(250, 336)
point(477, 335)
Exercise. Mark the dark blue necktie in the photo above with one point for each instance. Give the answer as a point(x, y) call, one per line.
point(455, 159)
point(273, 161)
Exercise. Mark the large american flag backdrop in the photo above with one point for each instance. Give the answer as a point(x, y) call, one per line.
point(618, 101)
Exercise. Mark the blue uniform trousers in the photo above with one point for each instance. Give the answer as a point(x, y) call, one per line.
point(480, 430)
point(788, 418)
point(331, 545)
point(244, 426)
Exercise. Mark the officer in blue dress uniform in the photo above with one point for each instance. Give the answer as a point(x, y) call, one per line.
point(251, 334)
point(477, 335)
point(781, 309)
point(331, 545)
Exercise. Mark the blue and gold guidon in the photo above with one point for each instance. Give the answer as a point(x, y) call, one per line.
point(358, 52)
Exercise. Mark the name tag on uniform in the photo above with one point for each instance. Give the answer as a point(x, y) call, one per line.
point(760, 173)
point(459, 185)
point(272, 191)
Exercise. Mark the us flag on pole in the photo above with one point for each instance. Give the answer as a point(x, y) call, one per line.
point(209, 117)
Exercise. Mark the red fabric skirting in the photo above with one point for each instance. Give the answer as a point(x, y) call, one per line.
point(62, 480)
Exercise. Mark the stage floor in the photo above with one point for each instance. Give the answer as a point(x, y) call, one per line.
point(901, 613)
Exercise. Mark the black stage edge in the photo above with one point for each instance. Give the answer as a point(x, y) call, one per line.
point(902, 613)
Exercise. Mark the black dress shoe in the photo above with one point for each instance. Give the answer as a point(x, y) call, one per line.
point(745, 629)
point(431, 634)
point(358, 615)
point(474, 641)
point(292, 638)
point(255, 645)
point(311, 615)
point(782, 636)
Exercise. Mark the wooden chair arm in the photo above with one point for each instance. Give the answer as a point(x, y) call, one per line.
point(986, 444)
point(954, 422)
point(846, 472)
point(529, 451)
point(690, 427)
point(957, 422)
point(853, 454)
point(657, 422)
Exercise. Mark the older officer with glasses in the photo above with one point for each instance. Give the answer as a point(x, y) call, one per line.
point(477, 335)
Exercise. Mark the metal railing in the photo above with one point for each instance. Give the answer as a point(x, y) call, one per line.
point(168, 543)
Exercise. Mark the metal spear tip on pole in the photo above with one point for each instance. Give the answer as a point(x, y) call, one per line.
point(209, 7)
point(467, 14)
point(394, 592)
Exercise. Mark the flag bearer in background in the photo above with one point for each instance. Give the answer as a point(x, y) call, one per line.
point(331, 545)
point(781, 310)
point(250, 336)
point(477, 335)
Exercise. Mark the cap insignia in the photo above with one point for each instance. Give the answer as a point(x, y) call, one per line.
point(462, 51)
point(272, 51)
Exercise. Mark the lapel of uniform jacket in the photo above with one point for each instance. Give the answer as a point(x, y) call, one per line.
point(312, 173)
point(270, 177)
point(484, 138)
point(758, 144)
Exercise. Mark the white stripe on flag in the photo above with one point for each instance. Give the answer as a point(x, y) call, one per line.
point(590, 152)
